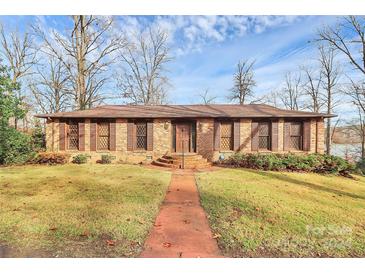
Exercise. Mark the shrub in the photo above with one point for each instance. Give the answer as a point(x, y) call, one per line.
point(360, 167)
point(291, 162)
point(15, 147)
point(51, 158)
point(106, 159)
point(38, 138)
point(80, 159)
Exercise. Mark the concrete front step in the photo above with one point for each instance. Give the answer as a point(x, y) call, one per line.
point(175, 161)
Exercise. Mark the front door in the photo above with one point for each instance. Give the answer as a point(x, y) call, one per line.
point(183, 138)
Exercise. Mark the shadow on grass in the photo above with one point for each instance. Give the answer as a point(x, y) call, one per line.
point(288, 179)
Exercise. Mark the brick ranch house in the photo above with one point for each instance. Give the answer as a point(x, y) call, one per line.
point(202, 133)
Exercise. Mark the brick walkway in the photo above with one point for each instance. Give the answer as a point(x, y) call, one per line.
point(181, 228)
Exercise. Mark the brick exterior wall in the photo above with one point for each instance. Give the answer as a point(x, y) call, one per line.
point(162, 139)
point(320, 136)
point(245, 135)
point(281, 135)
point(121, 135)
point(205, 138)
point(56, 132)
point(49, 135)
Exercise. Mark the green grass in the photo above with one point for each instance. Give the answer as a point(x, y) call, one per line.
point(73, 210)
point(273, 214)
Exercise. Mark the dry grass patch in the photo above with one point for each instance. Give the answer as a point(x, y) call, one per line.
point(280, 214)
point(78, 210)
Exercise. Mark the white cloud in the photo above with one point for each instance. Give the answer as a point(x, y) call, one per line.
point(192, 33)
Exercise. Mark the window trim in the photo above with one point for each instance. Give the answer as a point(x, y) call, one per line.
point(231, 137)
point(301, 136)
point(269, 136)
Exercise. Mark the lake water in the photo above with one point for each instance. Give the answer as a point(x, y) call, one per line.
point(352, 151)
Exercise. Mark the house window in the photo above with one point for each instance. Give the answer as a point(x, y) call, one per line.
point(73, 135)
point(103, 136)
point(226, 136)
point(296, 136)
point(141, 136)
point(264, 136)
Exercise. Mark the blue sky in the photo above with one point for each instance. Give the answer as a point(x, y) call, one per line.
point(206, 49)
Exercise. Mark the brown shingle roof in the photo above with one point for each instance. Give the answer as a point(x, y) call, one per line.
point(184, 111)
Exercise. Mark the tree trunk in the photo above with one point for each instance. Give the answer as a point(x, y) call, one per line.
point(329, 110)
point(363, 146)
point(80, 38)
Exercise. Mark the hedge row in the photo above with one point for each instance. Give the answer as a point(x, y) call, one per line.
point(291, 162)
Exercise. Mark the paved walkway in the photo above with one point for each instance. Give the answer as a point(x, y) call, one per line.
point(181, 228)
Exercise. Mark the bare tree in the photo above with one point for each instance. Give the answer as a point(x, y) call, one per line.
point(51, 87)
point(143, 80)
point(331, 73)
point(86, 51)
point(243, 82)
point(348, 37)
point(207, 98)
point(357, 93)
point(271, 98)
point(18, 52)
point(291, 93)
point(312, 88)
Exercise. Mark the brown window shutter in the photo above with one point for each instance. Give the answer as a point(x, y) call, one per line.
point(236, 135)
point(274, 135)
point(287, 136)
point(150, 135)
point(112, 136)
point(217, 135)
point(62, 135)
point(307, 135)
point(130, 134)
point(254, 136)
point(82, 136)
point(93, 125)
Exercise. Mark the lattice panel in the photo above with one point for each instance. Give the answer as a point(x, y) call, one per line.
point(103, 136)
point(141, 129)
point(141, 136)
point(141, 142)
point(73, 136)
point(296, 142)
point(264, 142)
point(263, 129)
point(226, 143)
point(296, 129)
point(226, 130)
point(226, 136)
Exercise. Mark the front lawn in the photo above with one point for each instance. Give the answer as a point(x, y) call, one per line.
point(273, 214)
point(78, 210)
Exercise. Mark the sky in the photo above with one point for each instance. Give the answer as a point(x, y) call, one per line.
point(206, 49)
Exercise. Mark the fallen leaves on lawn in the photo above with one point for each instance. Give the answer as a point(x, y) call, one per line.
point(217, 235)
point(53, 228)
point(110, 242)
point(166, 244)
point(86, 233)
